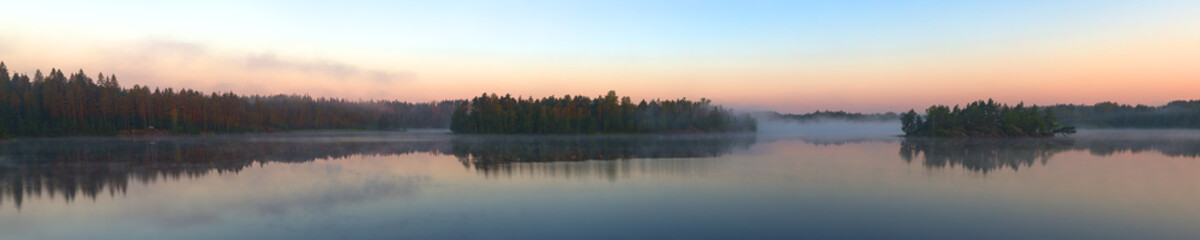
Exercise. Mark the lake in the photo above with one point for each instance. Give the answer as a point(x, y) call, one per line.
point(779, 183)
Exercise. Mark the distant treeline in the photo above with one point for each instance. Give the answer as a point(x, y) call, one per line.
point(982, 119)
point(839, 116)
point(492, 114)
point(57, 104)
point(1176, 114)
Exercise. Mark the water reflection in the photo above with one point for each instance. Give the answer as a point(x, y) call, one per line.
point(1189, 148)
point(66, 168)
point(72, 168)
point(500, 155)
point(985, 155)
point(982, 155)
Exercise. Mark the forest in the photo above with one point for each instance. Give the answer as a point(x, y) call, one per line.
point(982, 119)
point(608, 114)
point(1176, 114)
point(58, 104)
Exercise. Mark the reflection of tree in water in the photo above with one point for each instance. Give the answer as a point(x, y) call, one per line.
point(509, 155)
point(68, 167)
point(1189, 148)
point(982, 155)
point(989, 154)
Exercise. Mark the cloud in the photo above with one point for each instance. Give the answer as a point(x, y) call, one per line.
point(159, 47)
point(161, 57)
point(205, 67)
point(340, 71)
point(386, 77)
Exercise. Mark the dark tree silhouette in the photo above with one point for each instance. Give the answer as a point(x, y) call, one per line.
point(982, 119)
point(492, 114)
point(57, 104)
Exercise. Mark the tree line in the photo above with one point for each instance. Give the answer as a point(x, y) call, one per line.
point(1176, 114)
point(58, 104)
point(983, 119)
point(492, 114)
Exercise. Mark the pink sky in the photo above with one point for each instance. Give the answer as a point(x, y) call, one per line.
point(868, 61)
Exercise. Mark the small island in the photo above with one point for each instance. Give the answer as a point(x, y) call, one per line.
point(982, 119)
point(608, 114)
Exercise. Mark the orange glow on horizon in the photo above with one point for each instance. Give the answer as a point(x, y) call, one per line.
point(1143, 69)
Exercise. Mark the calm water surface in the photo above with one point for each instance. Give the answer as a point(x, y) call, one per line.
point(430, 184)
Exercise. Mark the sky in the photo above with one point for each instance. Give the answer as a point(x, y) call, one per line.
point(787, 56)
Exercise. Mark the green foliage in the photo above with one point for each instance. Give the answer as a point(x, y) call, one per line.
point(982, 119)
point(492, 114)
point(57, 104)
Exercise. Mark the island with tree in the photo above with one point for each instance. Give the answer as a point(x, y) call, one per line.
point(608, 114)
point(983, 119)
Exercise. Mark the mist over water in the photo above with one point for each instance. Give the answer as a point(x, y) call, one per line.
point(828, 130)
point(823, 179)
